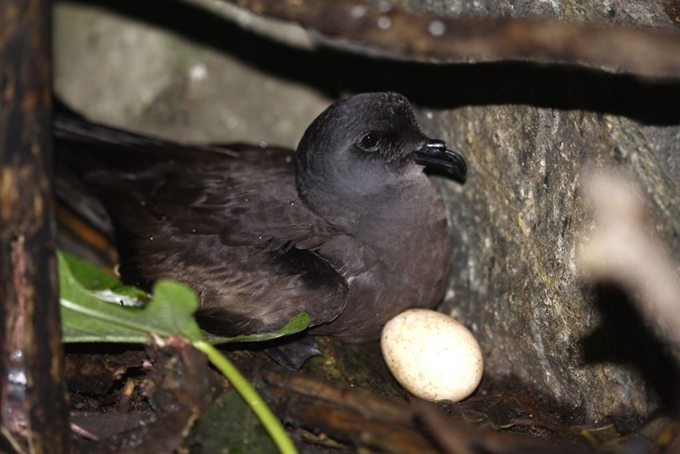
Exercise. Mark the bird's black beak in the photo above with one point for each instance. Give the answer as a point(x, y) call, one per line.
point(434, 155)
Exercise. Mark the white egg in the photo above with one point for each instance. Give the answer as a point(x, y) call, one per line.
point(432, 355)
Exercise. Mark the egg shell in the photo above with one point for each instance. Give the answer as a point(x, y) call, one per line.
point(432, 355)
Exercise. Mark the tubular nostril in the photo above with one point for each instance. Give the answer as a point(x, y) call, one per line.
point(435, 144)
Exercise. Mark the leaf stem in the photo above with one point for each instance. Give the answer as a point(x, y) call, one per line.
point(270, 422)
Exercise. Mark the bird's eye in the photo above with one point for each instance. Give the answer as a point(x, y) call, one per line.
point(370, 141)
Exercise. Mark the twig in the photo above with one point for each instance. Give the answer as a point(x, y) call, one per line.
point(270, 422)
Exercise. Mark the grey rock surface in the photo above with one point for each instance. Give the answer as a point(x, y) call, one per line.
point(518, 222)
point(528, 133)
point(125, 72)
point(517, 226)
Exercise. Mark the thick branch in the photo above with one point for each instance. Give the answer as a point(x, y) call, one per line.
point(400, 34)
point(32, 397)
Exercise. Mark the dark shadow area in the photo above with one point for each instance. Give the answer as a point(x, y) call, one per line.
point(624, 338)
point(552, 86)
point(101, 348)
point(513, 403)
point(430, 85)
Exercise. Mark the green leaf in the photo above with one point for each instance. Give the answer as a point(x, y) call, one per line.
point(297, 324)
point(86, 318)
point(89, 274)
point(105, 286)
point(88, 315)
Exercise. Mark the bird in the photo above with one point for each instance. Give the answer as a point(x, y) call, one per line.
point(348, 228)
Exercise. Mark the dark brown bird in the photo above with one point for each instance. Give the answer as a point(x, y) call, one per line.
point(347, 229)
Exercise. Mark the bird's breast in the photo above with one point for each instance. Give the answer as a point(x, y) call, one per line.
point(401, 260)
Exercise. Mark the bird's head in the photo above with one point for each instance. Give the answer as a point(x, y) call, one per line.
point(368, 139)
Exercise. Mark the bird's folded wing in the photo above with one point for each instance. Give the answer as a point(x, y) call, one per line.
point(247, 248)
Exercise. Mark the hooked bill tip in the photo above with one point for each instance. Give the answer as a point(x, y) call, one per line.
point(434, 155)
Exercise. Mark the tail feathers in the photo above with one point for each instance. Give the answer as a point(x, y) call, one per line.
point(87, 146)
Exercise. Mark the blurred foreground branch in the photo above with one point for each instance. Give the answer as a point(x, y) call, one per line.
point(398, 34)
point(621, 250)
